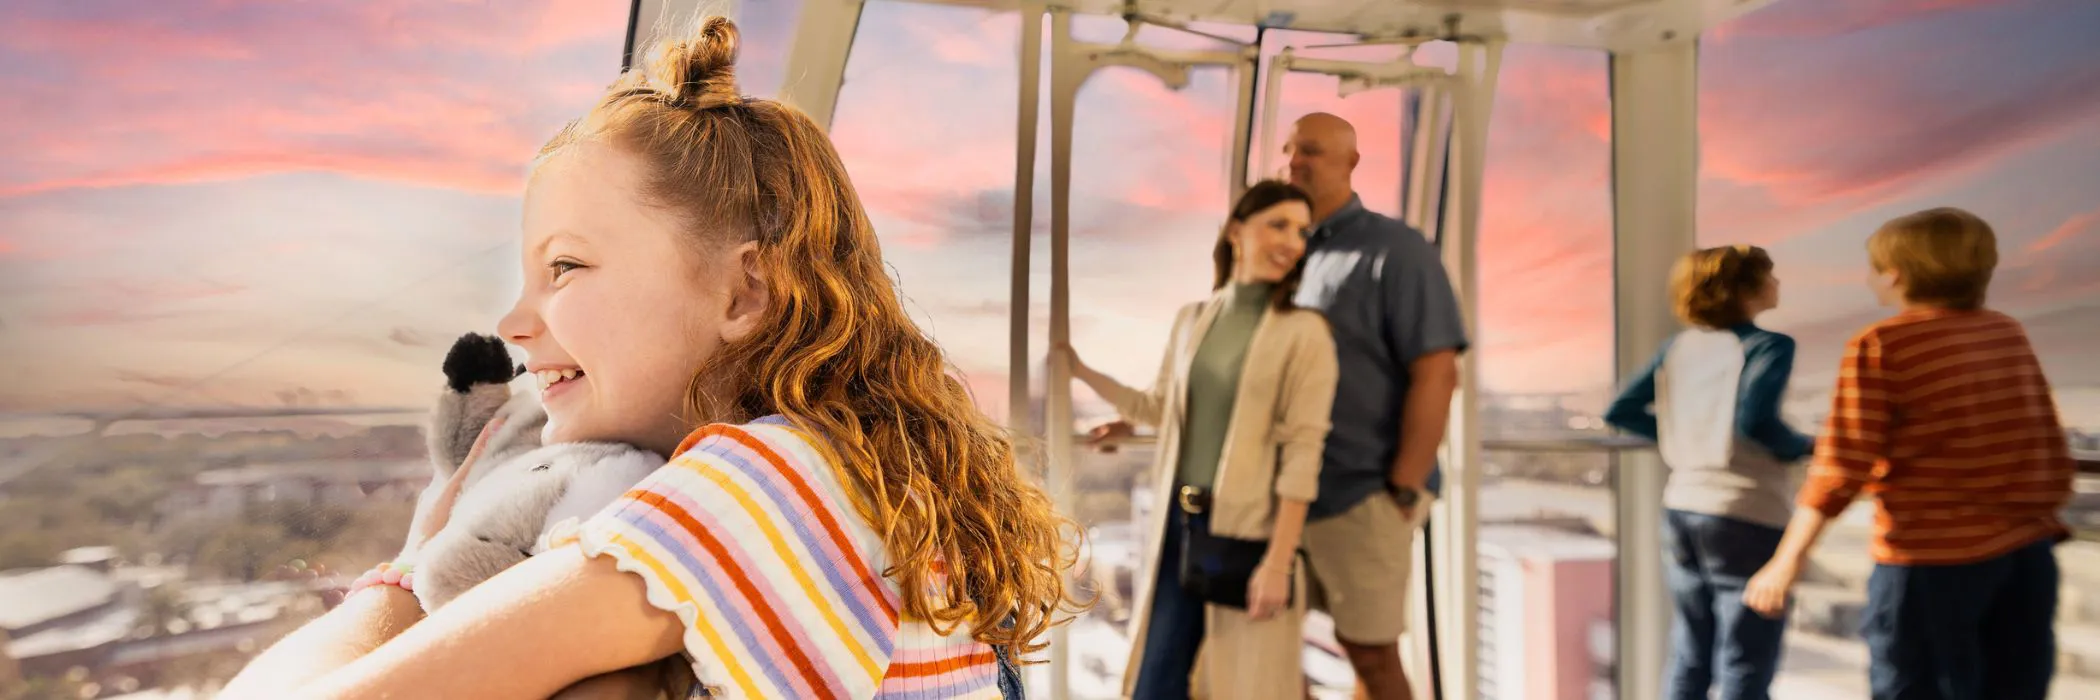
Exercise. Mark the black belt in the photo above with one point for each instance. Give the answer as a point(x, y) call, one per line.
point(1194, 500)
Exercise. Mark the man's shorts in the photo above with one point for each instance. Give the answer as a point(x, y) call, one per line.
point(1358, 565)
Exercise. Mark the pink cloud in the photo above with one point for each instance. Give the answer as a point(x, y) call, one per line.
point(447, 95)
point(2074, 228)
point(1800, 132)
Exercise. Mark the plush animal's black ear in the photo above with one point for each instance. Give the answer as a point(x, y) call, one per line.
point(478, 359)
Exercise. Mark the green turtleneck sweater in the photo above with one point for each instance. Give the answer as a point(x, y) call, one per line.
point(1214, 384)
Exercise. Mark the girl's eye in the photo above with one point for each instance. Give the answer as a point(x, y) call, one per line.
point(561, 267)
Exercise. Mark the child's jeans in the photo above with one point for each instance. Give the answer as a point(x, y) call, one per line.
point(1718, 643)
point(1966, 631)
point(1010, 686)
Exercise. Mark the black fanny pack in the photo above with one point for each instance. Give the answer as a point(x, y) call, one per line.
point(1217, 569)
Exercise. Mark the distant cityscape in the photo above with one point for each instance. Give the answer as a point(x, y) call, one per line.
point(149, 561)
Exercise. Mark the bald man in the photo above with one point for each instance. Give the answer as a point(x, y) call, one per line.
point(1398, 334)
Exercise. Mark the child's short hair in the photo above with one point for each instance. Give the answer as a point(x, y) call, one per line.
point(1944, 255)
point(1709, 286)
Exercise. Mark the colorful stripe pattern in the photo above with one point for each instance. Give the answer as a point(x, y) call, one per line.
point(1945, 417)
point(750, 538)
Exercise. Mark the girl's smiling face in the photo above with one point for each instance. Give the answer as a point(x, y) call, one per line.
point(618, 309)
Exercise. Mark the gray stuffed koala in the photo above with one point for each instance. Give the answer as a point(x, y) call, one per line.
point(505, 488)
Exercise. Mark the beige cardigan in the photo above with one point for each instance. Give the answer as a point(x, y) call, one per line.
point(1279, 419)
point(1273, 444)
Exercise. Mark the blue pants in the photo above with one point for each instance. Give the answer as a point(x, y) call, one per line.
point(1967, 631)
point(1174, 632)
point(1010, 685)
point(1717, 642)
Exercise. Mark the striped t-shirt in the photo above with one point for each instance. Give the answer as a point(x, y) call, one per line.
point(749, 537)
point(1945, 417)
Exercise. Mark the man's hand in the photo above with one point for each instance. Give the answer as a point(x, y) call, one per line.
point(1103, 438)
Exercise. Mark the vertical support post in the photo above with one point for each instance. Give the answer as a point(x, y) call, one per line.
point(1421, 197)
point(1018, 363)
point(1271, 99)
point(817, 59)
point(1017, 356)
point(1456, 516)
point(1248, 71)
point(1067, 72)
point(1654, 93)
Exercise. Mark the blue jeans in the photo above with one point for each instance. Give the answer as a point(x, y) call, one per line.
point(1174, 632)
point(1010, 687)
point(1717, 642)
point(1966, 631)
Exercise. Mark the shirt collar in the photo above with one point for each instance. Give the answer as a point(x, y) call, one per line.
point(1348, 212)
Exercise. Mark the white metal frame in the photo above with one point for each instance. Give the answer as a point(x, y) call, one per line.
point(1654, 84)
point(1654, 93)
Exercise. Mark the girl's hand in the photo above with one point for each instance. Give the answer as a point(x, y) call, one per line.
point(1767, 591)
point(441, 506)
point(1269, 592)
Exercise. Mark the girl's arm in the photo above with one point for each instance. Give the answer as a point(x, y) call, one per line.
point(1767, 367)
point(353, 629)
point(530, 631)
point(1633, 410)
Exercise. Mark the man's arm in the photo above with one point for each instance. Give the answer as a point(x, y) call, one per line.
point(1434, 377)
point(1426, 333)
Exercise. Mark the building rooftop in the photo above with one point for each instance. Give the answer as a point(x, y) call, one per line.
point(35, 596)
point(338, 471)
point(1535, 542)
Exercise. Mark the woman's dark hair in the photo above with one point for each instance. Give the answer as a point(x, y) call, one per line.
point(1255, 200)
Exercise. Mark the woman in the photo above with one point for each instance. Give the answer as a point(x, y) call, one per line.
point(1715, 392)
point(1241, 404)
point(842, 523)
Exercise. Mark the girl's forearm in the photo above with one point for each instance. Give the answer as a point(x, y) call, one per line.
point(365, 620)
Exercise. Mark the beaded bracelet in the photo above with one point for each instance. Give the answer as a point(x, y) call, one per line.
point(386, 574)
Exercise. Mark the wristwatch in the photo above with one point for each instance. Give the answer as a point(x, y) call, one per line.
point(1406, 497)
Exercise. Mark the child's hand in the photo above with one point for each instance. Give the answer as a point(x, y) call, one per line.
point(1767, 591)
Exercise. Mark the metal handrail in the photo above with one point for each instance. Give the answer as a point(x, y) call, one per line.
point(1597, 443)
point(2088, 460)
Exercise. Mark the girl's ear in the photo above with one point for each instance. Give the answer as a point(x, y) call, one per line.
point(749, 296)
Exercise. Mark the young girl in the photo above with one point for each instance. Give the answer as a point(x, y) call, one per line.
point(842, 523)
point(1715, 391)
point(1242, 402)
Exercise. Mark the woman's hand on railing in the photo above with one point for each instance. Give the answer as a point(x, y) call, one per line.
point(1080, 370)
point(1104, 437)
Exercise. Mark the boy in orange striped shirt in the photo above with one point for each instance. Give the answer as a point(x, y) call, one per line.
point(1942, 413)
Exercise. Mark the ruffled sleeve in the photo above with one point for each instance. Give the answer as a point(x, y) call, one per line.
point(750, 540)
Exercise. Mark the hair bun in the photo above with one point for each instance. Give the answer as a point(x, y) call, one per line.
point(700, 71)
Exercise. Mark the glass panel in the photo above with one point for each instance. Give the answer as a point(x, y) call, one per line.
point(1822, 120)
point(229, 271)
point(926, 127)
point(1546, 541)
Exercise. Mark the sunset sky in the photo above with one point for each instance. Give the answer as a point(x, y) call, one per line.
point(261, 203)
